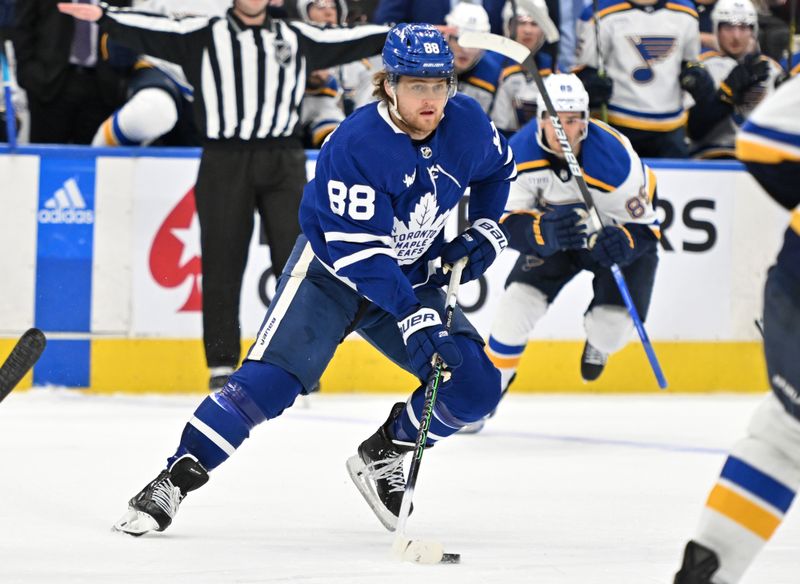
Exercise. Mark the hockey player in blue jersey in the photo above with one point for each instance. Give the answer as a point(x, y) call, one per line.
point(761, 475)
point(369, 259)
point(546, 220)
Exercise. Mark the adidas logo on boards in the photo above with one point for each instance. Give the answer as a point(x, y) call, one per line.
point(67, 205)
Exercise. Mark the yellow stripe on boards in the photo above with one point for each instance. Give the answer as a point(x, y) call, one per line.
point(6, 345)
point(172, 366)
point(743, 511)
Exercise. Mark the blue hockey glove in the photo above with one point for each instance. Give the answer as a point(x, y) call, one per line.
point(613, 244)
point(424, 335)
point(481, 244)
point(543, 234)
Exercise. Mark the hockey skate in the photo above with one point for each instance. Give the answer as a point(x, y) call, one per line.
point(593, 361)
point(699, 564)
point(155, 506)
point(377, 471)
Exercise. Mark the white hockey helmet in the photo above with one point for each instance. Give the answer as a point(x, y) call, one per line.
point(341, 10)
point(467, 17)
point(735, 12)
point(568, 95)
point(536, 10)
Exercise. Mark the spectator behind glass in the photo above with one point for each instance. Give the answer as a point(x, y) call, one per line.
point(433, 11)
point(743, 77)
point(515, 101)
point(648, 49)
point(478, 71)
point(71, 86)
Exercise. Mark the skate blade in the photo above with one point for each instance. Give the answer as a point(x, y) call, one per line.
point(135, 523)
point(356, 469)
point(473, 427)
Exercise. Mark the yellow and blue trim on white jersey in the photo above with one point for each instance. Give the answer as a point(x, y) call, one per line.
point(751, 498)
point(756, 143)
point(647, 121)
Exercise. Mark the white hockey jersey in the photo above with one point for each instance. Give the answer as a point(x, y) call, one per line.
point(515, 101)
point(642, 48)
point(622, 186)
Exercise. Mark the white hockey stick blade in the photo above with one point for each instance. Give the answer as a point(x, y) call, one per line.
point(417, 551)
point(493, 42)
point(538, 10)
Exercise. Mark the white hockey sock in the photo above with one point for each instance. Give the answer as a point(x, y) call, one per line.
point(754, 491)
point(150, 113)
point(523, 306)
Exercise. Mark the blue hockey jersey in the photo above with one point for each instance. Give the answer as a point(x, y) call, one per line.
point(376, 209)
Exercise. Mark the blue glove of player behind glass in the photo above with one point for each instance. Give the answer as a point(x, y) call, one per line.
point(613, 245)
point(481, 244)
point(424, 336)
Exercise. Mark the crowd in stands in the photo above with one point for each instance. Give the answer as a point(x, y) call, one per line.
point(676, 77)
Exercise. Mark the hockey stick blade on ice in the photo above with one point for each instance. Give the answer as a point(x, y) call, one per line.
point(23, 356)
point(524, 56)
point(416, 550)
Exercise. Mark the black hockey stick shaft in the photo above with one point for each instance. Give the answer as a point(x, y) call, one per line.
point(601, 66)
point(23, 356)
point(431, 392)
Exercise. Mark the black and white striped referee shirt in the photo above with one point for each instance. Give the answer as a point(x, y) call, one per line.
point(248, 80)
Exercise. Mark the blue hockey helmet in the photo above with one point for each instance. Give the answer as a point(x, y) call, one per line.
point(417, 50)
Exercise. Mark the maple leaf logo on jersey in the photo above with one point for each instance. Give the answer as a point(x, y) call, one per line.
point(413, 238)
point(652, 50)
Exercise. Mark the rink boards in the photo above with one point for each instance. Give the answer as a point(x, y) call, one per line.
point(100, 248)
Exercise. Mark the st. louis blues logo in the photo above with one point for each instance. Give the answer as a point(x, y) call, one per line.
point(652, 49)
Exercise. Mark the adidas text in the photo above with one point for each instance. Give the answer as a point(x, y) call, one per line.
point(69, 216)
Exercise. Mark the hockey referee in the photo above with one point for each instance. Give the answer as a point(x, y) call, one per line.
point(249, 74)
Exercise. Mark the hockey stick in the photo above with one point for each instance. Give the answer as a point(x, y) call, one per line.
point(427, 552)
point(23, 356)
point(11, 122)
point(601, 67)
point(524, 57)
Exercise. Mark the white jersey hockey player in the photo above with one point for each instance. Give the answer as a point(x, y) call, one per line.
point(648, 48)
point(478, 71)
point(545, 218)
point(742, 77)
point(515, 99)
point(761, 476)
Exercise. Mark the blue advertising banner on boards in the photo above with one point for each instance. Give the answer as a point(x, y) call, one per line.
point(64, 265)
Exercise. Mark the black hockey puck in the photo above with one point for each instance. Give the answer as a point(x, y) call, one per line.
point(450, 559)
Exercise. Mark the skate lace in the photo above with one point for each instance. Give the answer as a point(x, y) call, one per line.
point(594, 356)
point(167, 496)
point(389, 469)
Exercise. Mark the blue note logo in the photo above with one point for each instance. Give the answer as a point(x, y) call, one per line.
point(652, 50)
point(66, 206)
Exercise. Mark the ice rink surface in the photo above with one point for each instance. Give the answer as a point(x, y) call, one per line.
point(556, 490)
